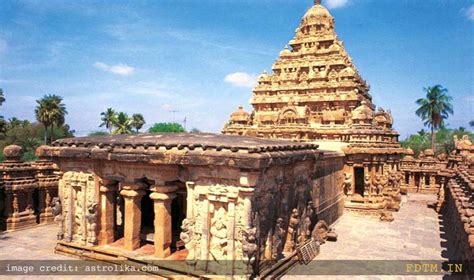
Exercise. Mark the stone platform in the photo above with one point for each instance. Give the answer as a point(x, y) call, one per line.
point(414, 235)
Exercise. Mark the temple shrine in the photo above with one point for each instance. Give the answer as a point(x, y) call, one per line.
point(314, 93)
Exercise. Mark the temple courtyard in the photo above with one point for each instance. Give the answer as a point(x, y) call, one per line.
point(415, 234)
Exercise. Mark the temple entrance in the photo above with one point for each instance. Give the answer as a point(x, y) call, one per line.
point(36, 207)
point(178, 213)
point(359, 180)
point(119, 216)
point(417, 180)
point(147, 229)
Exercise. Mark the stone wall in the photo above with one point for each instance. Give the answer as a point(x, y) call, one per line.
point(26, 190)
point(456, 203)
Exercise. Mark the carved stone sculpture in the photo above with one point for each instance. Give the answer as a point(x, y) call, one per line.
point(277, 239)
point(56, 209)
point(290, 237)
point(348, 183)
point(249, 246)
point(91, 218)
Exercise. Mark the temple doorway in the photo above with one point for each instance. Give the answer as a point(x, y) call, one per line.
point(147, 229)
point(359, 180)
point(178, 213)
point(417, 180)
point(119, 216)
point(36, 206)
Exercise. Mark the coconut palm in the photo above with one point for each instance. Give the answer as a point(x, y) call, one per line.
point(109, 117)
point(2, 97)
point(122, 124)
point(137, 121)
point(434, 109)
point(50, 111)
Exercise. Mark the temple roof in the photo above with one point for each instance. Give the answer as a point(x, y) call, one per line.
point(182, 148)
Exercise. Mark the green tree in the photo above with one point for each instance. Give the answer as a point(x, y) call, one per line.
point(122, 124)
point(194, 130)
point(137, 121)
point(50, 111)
point(471, 123)
point(109, 118)
point(166, 127)
point(434, 109)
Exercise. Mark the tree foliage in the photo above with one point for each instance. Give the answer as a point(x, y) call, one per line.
point(120, 123)
point(50, 111)
point(29, 136)
point(444, 139)
point(137, 121)
point(166, 127)
point(109, 118)
point(434, 109)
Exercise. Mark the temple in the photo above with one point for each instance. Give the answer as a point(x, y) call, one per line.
point(315, 94)
point(226, 204)
point(254, 200)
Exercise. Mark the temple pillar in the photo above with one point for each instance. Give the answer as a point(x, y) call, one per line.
point(133, 214)
point(162, 197)
point(107, 204)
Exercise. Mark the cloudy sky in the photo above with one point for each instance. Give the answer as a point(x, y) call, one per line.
point(198, 59)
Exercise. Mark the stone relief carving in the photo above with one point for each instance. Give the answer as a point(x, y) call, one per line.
point(249, 247)
point(56, 209)
point(277, 239)
point(91, 218)
point(79, 207)
point(348, 183)
point(218, 232)
point(292, 228)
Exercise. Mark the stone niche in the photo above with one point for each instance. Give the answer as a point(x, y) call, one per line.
point(221, 204)
point(26, 190)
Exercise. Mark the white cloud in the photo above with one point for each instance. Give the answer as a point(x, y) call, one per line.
point(332, 4)
point(470, 12)
point(119, 69)
point(3, 46)
point(241, 79)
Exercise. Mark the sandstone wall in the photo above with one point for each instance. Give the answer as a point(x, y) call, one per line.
point(26, 190)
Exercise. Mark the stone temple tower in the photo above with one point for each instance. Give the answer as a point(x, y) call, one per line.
point(315, 93)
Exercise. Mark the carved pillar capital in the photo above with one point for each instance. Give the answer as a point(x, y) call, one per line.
point(162, 197)
point(105, 188)
point(163, 189)
point(132, 194)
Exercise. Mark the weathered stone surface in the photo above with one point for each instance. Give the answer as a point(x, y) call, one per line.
point(26, 190)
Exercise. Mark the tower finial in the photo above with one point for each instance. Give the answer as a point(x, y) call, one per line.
point(317, 2)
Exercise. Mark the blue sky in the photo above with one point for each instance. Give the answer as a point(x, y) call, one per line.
point(170, 59)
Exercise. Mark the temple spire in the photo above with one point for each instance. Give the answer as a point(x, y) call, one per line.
point(317, 2)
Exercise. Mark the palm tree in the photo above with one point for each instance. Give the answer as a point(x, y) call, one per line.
point(137, 121)
point(50, 111)
point(122, 124)
point(109, 117)
point(434, 109)
point(2, 97)
point(471, 123)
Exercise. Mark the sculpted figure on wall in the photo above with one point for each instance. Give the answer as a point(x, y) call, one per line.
point(290, 237)
point(56, 209)
point(277, 239)
point(91, 218)
point(219, 235)
point(348, 183)
point(249, 247)
point(186, 236)
point(305, 229)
